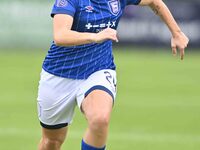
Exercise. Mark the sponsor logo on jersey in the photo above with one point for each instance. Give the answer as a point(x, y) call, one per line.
point(114, 6)
point(109, 24)
point(61, 3)
point(89, 9)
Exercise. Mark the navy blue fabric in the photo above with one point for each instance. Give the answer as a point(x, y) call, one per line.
point(58, 126)
point(99, 87)
point(85, 146)
point(133, 2)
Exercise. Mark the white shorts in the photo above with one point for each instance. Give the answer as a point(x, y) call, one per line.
point(57, 96)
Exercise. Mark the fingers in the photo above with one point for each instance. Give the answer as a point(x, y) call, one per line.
point(111, 34)
point(179, 42)
point(174, 51)
point(114, 38)
point(173, 46)
point(182, 50)
point(182, 53)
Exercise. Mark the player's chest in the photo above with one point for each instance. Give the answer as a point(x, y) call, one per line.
point(94, 15)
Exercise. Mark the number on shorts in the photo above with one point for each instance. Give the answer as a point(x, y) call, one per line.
point(110, 79)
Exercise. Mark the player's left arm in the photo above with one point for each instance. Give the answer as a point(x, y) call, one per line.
point(179, 40)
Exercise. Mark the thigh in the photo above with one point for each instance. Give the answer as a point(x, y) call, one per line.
point(55, 134)
point(97, 93)
point(97, 105)
point(99, 85)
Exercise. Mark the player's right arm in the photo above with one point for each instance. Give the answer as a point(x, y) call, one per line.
point(64, 36)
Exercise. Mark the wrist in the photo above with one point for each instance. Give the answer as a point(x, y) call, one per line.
point(176, 33)
point(92, 37)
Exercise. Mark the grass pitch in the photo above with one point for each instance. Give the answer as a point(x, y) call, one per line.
point(157, 106)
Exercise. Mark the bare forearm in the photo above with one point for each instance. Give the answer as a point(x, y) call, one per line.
point(64, 36)
point(159, 7)
point(71, 38)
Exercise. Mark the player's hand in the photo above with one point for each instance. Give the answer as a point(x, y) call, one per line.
point(179, 41)
point(106, 34)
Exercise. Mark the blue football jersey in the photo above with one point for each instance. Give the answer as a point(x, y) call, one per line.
point(79, 62)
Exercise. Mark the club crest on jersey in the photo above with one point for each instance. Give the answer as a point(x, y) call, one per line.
point(114, 6)
point(61, 3)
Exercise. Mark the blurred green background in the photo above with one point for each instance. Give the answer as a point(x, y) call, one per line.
point(158, 101)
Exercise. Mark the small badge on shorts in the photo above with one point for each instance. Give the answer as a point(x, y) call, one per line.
point(61, 3)
point(114, 6)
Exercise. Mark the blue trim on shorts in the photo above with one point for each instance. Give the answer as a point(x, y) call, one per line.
point(57, 126)
point(99, 87)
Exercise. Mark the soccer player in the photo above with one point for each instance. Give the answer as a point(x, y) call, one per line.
point(79, 68)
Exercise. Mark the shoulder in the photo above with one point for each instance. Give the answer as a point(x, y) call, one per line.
point(65, 7)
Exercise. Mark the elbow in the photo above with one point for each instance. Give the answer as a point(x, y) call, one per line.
point(155, 2)
point(155, 5)
point(150, 3)
point(58, 41)
point(61, 41)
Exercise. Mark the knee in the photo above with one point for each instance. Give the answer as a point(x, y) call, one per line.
point(53, 143)
point(99, 123)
